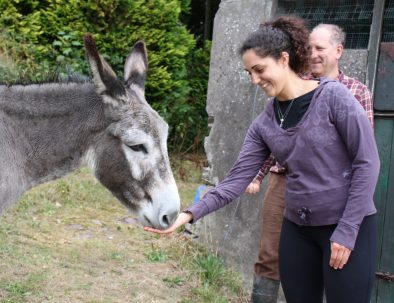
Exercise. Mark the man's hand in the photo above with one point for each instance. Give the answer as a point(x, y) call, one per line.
point(253, 187)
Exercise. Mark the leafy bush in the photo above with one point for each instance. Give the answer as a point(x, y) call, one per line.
point(188, 115)
point(45, 37)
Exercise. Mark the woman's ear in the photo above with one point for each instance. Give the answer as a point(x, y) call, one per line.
point(285, 58)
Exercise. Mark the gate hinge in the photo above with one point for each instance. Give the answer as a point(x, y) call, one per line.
point(387, 276)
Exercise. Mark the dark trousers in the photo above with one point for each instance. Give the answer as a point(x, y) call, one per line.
point(304, 254)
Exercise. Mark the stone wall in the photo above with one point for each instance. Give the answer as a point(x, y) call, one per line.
point(233, 102)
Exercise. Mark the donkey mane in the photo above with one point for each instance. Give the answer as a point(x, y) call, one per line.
point(63, 99)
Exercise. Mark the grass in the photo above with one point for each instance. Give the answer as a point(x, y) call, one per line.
point(70, 241)
point(156, 255)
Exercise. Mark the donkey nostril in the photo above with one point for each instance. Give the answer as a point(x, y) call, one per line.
point(165, 221)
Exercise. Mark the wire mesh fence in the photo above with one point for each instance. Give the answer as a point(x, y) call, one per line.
point(388, 22)
point(355, 17)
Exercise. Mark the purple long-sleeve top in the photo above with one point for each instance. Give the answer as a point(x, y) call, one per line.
point(331, 158)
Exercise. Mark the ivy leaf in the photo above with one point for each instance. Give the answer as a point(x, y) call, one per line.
point(67, 51)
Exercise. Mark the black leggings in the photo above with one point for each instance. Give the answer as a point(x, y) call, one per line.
point(304, 254)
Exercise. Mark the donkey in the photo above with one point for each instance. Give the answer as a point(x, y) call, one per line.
point(48, 130)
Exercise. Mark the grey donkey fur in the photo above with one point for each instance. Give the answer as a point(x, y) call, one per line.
point(49, 130)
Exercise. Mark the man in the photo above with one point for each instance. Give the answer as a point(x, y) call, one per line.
point(327, 43)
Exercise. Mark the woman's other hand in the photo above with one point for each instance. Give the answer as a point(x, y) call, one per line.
point(182, 219)
point(253, 187)
point(339, 255)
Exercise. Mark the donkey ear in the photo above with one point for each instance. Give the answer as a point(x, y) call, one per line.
point(136, 66)
point(103, 76)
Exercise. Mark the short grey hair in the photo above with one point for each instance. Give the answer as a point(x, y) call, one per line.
point(338, 36)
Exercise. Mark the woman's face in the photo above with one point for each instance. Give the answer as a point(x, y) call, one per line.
point(267, 72)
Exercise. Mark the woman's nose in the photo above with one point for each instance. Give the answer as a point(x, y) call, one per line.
point(254, 78)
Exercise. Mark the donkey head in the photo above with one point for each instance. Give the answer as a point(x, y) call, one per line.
point(130, 158)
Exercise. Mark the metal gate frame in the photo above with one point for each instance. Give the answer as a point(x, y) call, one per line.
point(380, 76)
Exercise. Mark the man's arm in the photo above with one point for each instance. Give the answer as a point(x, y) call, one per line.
point(265, 168)
point(365, 99)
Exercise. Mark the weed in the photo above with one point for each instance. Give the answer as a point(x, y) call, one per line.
point(6, 250)
point(116, 256)
point(16, 289)
point(63, 187)
point(211, 269)
point(156, 255)
point(174, 281)
point(209, 295)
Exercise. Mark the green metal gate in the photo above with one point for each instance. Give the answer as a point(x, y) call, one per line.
point(384, 194)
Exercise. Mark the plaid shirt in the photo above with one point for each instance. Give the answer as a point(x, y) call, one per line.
point(360, 92)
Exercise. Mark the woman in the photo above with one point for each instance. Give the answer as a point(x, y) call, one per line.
point(321, 134)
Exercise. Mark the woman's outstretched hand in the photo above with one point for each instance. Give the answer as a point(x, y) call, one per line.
point(182, 219)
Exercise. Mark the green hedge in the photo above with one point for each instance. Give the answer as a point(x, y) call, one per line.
point(42, 36)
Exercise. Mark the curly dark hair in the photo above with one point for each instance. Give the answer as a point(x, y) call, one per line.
point(283, 34)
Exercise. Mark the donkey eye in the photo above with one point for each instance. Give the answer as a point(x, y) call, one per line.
point(138, 148)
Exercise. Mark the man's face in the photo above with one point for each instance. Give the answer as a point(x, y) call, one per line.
point(325, 55)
